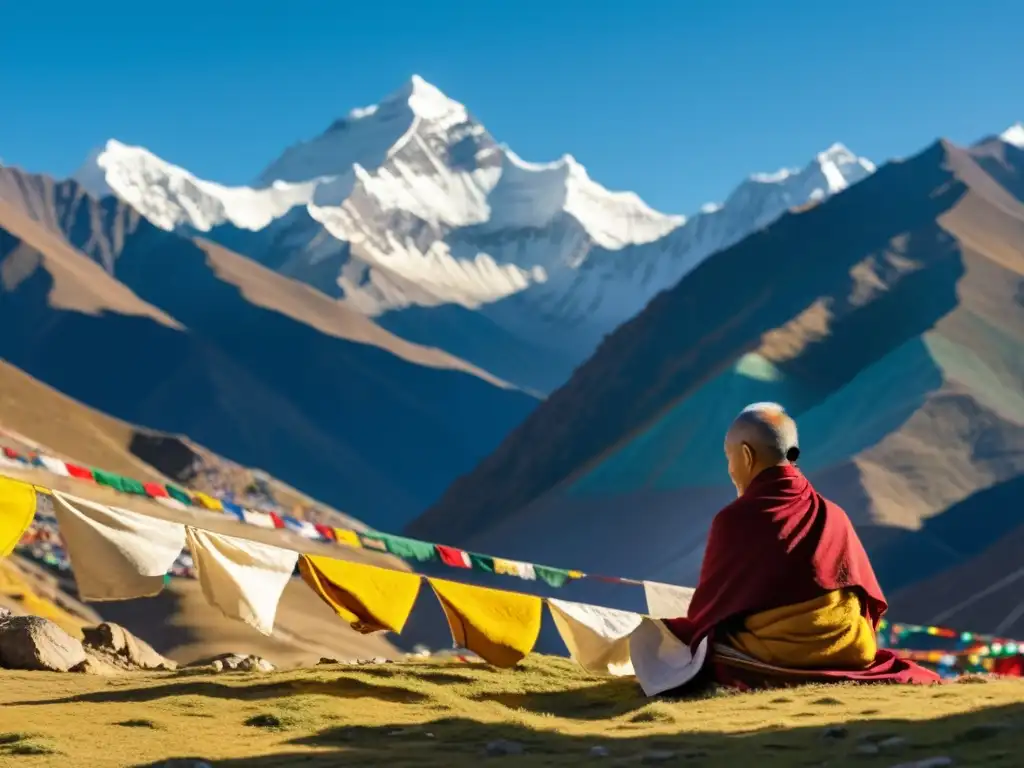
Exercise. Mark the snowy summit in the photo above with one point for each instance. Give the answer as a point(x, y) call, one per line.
point(412, 203)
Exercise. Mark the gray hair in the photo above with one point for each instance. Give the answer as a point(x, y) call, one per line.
point(769, 430)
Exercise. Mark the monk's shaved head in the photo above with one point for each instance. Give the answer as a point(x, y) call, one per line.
point(768, 429)
point(762, 436)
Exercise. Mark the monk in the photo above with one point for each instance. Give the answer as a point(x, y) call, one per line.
point(786, 592)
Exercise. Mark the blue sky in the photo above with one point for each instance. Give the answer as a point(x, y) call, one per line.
point(677, 100)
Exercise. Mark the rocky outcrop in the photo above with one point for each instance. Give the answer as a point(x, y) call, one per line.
point(115, 645)
point(33, 643)
point(37, 644)
point(234, 662)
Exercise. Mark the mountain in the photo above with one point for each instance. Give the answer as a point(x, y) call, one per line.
point(187, 337)
point(410, 212)
point(179, 622)
point(889, 320)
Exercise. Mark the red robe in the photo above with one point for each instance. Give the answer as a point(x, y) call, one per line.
point(779, 544)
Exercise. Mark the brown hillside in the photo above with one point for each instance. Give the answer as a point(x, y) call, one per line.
point(888, 319)
point(197, 341)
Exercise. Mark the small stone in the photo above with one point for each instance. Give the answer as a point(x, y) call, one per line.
point(983, 731)
point(658, 756)
point(325, 660)
point(929, 762)
point(893, 744)
point(502, 747)
point(599, 752)
point(835, 732)
point(867, 748)
point(876, 736)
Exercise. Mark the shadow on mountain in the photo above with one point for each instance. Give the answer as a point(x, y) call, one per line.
point(472, 335)
point(951, 538)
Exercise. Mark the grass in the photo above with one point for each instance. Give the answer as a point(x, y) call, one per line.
point(428, 713)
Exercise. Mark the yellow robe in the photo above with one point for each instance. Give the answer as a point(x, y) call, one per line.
point(828, 632)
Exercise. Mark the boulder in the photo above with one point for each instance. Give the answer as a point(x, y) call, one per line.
point(235, 662)
point(34, 643)
point(117, 646)
point(97, 665)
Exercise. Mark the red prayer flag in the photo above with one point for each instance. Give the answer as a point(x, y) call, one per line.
point(456, 558)
point(325, 531)
point(155, 490)
point(278, 522)
point(10, 453)
point(80, 472)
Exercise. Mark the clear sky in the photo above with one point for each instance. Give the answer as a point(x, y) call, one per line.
point(677, 100)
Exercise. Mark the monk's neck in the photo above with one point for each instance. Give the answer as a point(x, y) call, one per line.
point(772, 474)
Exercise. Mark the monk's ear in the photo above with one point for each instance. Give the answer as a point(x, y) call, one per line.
point(749, 457)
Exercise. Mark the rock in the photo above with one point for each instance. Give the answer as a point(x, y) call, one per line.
point(835, 732)
point(502, 747)
point(876, 736)
point(325, 660)
point(123, 649)
point(657, 756)
point(599, 752)
point(235, 662)
point(5, 613)
point(892, 744)
point(96, 665)
point(34, 643)
point(929, 762)
point(983, 731)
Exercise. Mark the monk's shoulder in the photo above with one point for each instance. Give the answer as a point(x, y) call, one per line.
point(735, 512)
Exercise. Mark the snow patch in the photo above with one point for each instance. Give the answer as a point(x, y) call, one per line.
point(1014, 135)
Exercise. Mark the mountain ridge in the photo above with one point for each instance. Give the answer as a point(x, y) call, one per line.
point(899, 356)
point(260, 368)
point(411, 208)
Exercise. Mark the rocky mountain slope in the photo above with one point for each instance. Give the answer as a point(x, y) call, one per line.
point(185, 336)
point(410, 212)
point(889, 320)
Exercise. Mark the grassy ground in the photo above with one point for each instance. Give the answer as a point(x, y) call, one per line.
point(446, 714)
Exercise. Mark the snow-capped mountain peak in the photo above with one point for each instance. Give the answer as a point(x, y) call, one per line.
point(412, 203)
point(368, 136)
point(1014, 135)
point(169, 196)
point(531, 195)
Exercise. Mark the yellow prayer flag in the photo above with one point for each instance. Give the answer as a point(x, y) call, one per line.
point(500, 627)
point(208, 502)
point(17, 508)
point(369, 598)
point(348, 538)
point(506, 567)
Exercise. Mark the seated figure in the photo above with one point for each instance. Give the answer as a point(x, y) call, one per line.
point(786, 592)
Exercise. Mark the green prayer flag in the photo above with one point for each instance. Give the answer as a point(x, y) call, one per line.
point(128, 485)
point(481, 562)
point(180, 495)
point(407, 549)
point(556, 577)
point(108, 479)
